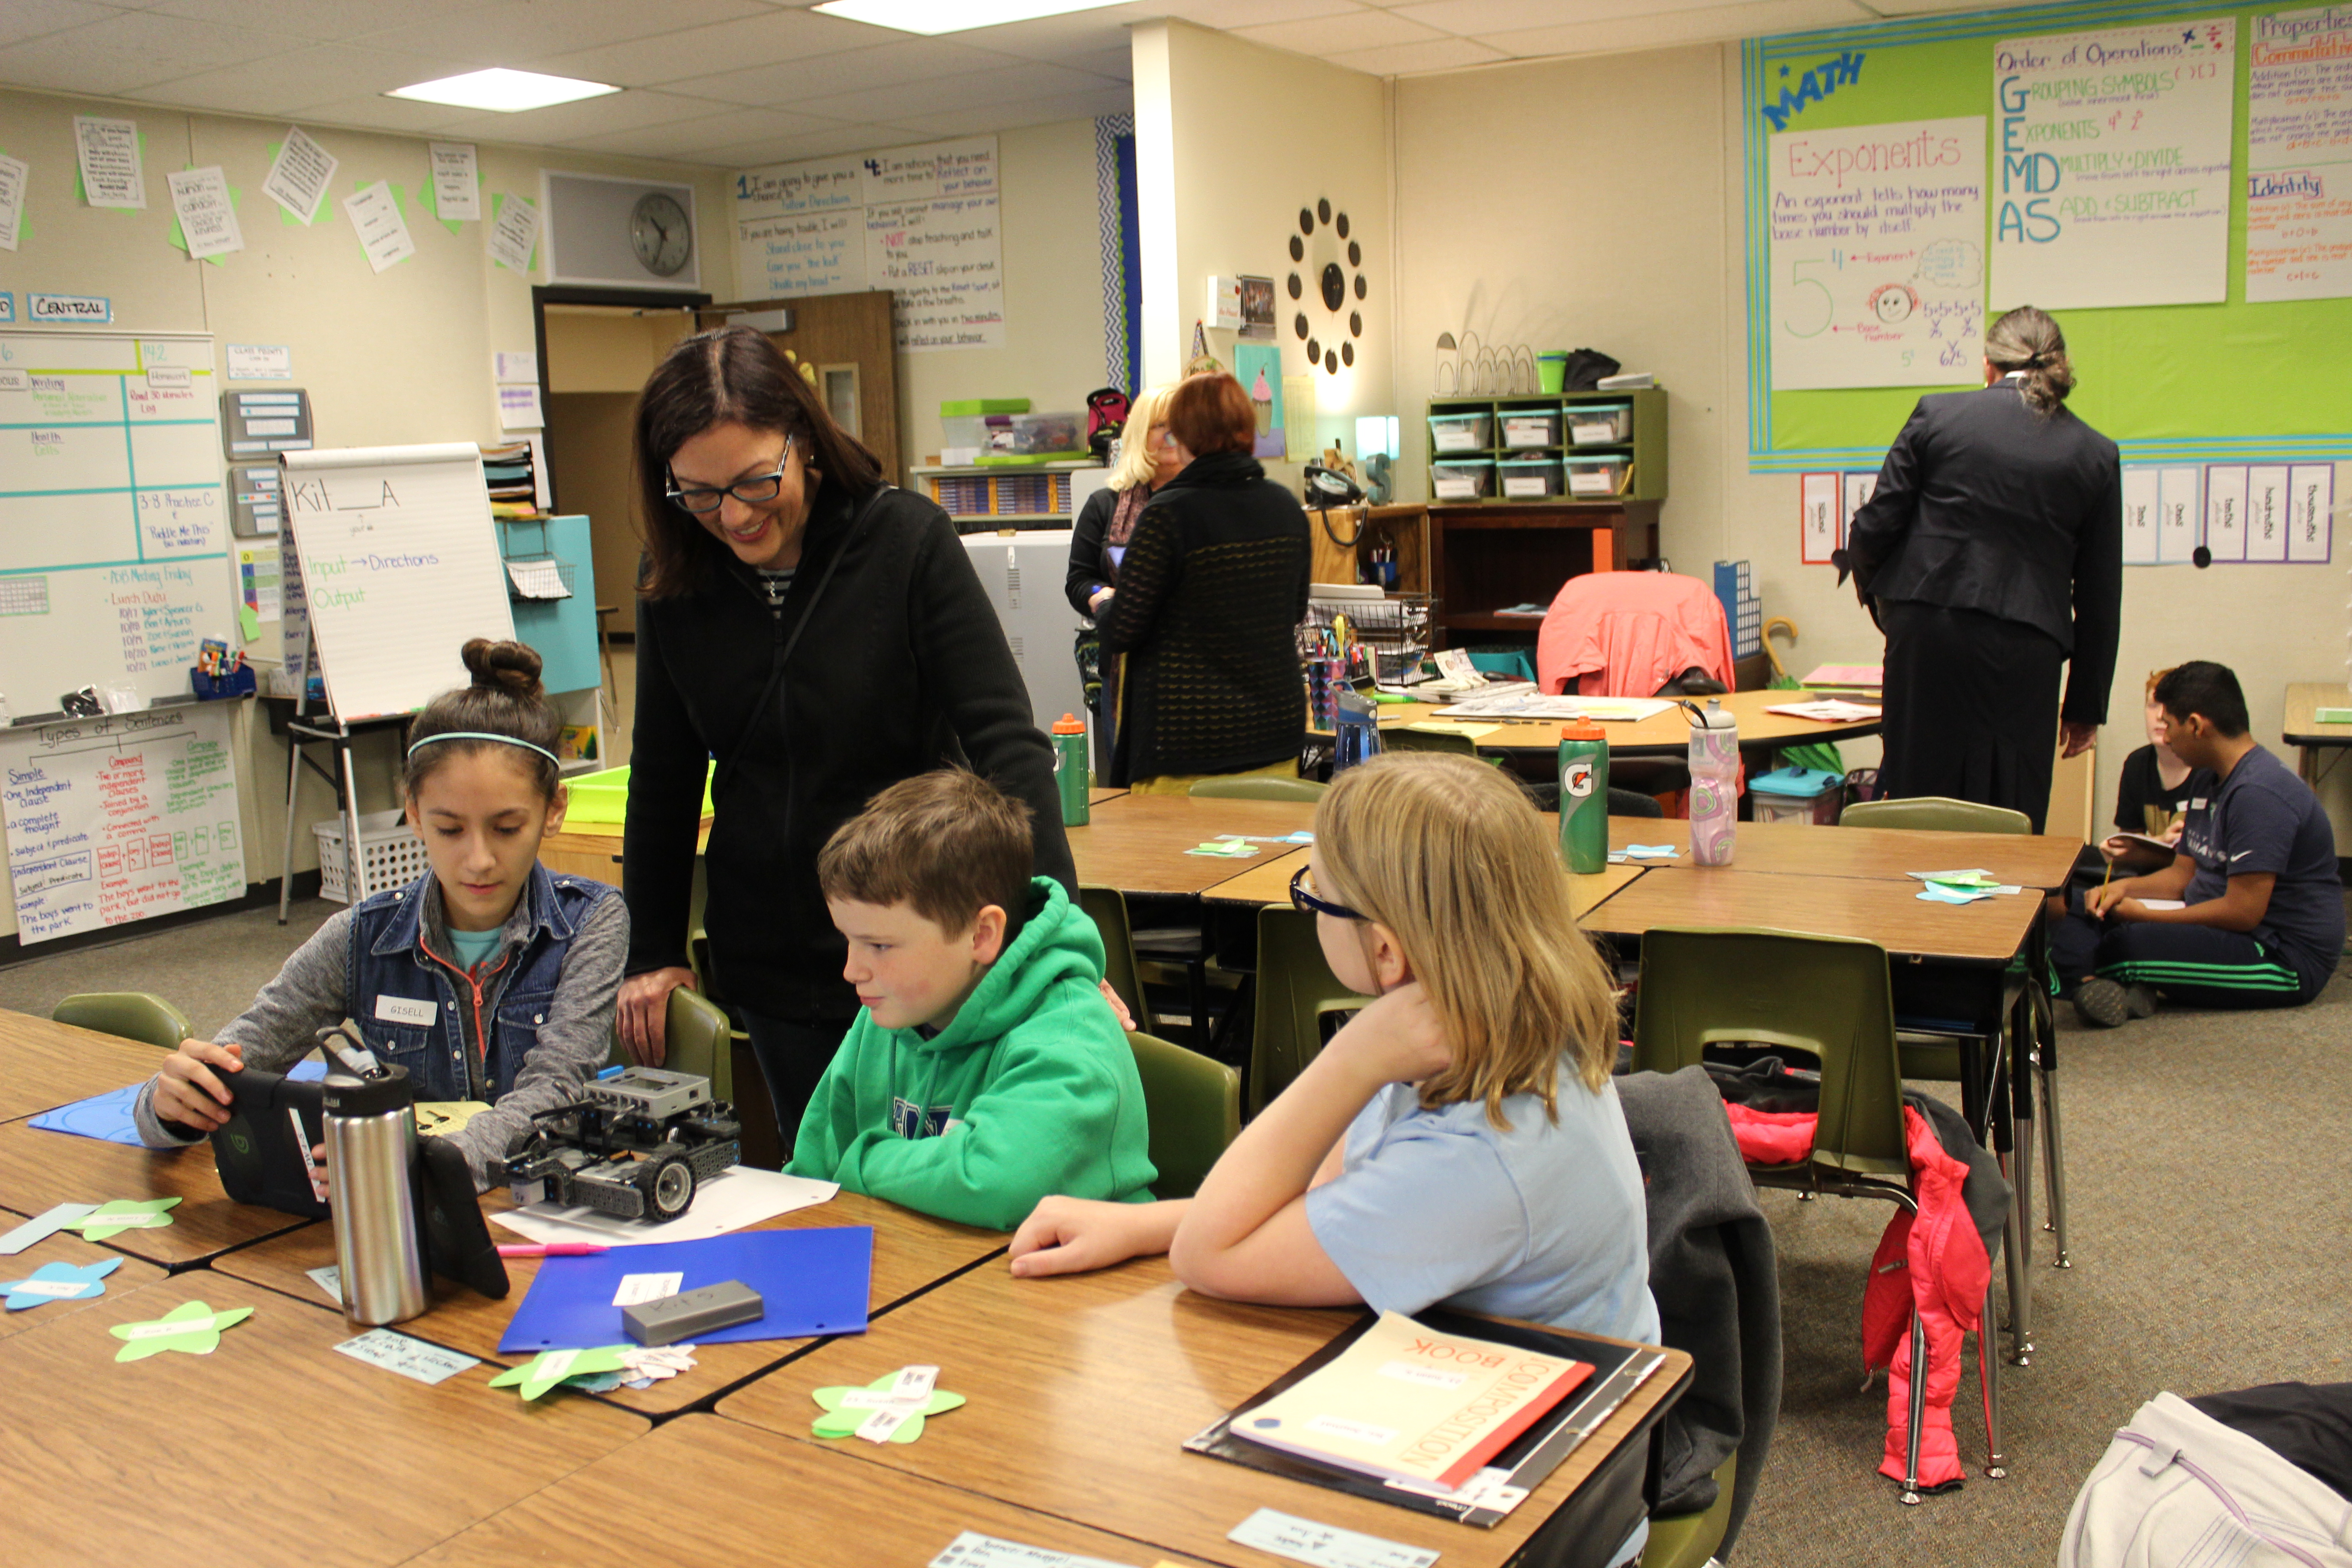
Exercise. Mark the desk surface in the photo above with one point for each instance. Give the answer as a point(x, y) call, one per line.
point(39, 1170)
point(1137, 843)
point(911, 1253)
point(1792, 848)
point(1083, 1390)
point(1890, 913)
point(706, 1492)
point(317, 1460)
point(1268, 882)
point(44, 1065)
point(2306, 699)
point(65, 1247)
point(1661, 734)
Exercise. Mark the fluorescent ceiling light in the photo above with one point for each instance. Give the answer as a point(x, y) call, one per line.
point(934, 16)
point(502, 90)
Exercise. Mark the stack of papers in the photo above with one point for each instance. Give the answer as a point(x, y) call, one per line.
point(1827, 710)
point(1522, 703)
point(1230, 848)
point(1867, 675)
point(1959, 886)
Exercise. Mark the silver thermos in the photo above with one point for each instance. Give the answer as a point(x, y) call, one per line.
point(371, 1125)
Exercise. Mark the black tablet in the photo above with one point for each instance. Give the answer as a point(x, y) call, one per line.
point(263, 1149)
point(457, 1243)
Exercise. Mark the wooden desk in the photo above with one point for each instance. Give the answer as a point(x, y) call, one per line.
point(1890, 913)
point(1789, 848)
point(1661, 735)
point(272, 1450)
point(1083, 1390)
point(38, 1169)
point(2303, 732)
point(45, 1065)
point(1138, 843)
point(65, 1246)
point(593, 850)
point(704, 1492)
point(1269, 883)
point(912, 1252)
point(1099, 794)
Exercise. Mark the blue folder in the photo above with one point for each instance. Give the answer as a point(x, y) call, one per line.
point(811, 1282)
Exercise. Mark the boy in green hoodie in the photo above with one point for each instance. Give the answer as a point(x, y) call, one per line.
point(986, 1071)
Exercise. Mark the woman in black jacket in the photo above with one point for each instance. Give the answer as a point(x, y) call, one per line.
point(820, 636)
point(1210, 596)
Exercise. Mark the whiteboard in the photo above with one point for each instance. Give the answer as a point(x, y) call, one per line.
point(118, 819)
point(113, 532)
point(399, 568)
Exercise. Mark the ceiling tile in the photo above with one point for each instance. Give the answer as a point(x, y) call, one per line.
point(1469, 18)
point(694, 52)
point(327, 20)
point(1921, 8)
point(1624, 32)
point(590, 117)
point(1117, 65)
point(1411, 59)
point(975, 90)
point(1255, 12)
point(694, 136)
point(1012, 116)
point(375, 112)
point(21, 19)
point(862, 70)
point(282, 84)
point(1327, 35)
point(1061, 38)
point(510, 31)
point(130, 49)
point(816, 144)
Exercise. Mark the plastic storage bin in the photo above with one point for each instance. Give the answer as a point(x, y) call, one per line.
point(1597, 476)
point(1811, 796)
point(1471, 432)
point(1461, 482)
point(1524, 428)
point(1601, 424)
point(391, 855)
point(605, 796)
point(1033, 438)
point(1528, 478)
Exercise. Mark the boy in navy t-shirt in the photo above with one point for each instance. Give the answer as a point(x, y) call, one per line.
point(2261, 922)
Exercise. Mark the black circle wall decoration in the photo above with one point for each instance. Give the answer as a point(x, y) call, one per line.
point(1299, 325)
point(1340, 223)
point(1330, 362)
point(1297, 248)
point(1314, 351)
point(1359, 285)
point(1347, 353)
point(1306, 220)
point(1355, 254)
point(1355, 323)
point(1323, 211)
point(1295, 290)
point(1329, 261)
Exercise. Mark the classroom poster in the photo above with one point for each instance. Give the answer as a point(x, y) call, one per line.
point(1878, 255)
point(2114, 174)
point(1259, 367)
point(2299, 157)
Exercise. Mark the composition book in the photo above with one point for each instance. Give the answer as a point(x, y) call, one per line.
point(1410, 1403)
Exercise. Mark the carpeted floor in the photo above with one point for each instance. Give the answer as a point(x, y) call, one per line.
point(2207, 1176)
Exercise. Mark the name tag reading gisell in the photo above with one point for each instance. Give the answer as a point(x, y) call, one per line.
point(407, 1010)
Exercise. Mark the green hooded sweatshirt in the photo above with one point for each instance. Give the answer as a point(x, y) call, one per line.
point(1030, 1090)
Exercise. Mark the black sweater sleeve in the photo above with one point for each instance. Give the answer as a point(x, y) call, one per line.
point(2098, 603)
point(967, 669)
point(667, 760)
point(1086, 578)
point(1148, 575)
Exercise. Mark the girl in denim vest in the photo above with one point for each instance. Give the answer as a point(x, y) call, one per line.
point(488, 978)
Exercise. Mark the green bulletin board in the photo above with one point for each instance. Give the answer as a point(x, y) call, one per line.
point(2228, 382)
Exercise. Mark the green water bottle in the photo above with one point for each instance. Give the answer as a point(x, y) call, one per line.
point(1584, 798)
point(1070, 769)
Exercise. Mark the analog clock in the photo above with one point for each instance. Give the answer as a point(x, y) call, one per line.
point(1327, 270)
point(661, 233)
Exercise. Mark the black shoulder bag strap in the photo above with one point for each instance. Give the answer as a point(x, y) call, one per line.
point(784, 656)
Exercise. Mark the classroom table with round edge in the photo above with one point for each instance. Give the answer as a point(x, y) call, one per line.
point(45, 1064)
point(912, 1252)
point(39, 1170)
point(65, 1247)
point(1270, 884)
point(1795, 848)
point(270, 1450)
point(1081, 1390)
point(1989, 931)
point(1661, 735)
point(704, 1492)
point(1139, 843)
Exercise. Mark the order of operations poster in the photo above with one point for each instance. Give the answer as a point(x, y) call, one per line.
point(2111, 153)
point(1877, 255)
point(2299, 157)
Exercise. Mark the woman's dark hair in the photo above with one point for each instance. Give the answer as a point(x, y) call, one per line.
point(1212, 413)
point(2028, 339)
point(506, 698)
point(2202, 687)
point(732, 374)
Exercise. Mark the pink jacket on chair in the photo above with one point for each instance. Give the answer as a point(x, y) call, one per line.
point(1625, 634)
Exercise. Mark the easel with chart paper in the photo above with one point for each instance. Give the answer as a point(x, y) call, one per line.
point(392, 556)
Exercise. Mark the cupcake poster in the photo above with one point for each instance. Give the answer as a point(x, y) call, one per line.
point(1259, 367)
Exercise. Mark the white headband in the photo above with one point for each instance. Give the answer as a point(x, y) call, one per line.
point(486, 735)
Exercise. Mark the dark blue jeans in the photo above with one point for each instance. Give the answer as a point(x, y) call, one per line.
point(793, 1055)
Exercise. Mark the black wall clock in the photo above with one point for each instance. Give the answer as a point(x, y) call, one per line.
point(1327, 270)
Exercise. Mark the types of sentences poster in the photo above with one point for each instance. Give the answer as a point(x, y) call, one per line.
point(109, 153)
point(116, 819)
point(919, 221)
point(1877, 255)
point(2114, 156)
point(200, 199)
point(514, 233)
point(377, 219)
point(2299, 157)
point(457, 183)
point(298, 176)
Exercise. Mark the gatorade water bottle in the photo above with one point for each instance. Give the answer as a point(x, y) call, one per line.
point(1715, 785)
point(1584, 798)
point(1070, 769)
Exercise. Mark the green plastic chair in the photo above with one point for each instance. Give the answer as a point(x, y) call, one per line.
point(1427, 740)
point(1306, 790)
point(1828, 996)
point(1194, 1105)
point(1296, 988)
point(700, 1040)
point(1107, 907)
point(1689, 1540)
point(1934, 813)
point(128, 1014)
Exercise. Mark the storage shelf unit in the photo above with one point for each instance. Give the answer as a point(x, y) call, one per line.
point(982, 499)
point(1644, 447)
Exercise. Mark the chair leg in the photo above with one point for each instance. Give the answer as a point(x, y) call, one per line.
point(2053, 1149)
point(1988, 1382)
point(1911, 1493)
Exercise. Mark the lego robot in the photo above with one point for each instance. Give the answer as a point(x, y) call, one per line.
point(638, 1146)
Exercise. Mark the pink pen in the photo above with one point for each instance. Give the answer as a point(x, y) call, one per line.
point(550, 1249)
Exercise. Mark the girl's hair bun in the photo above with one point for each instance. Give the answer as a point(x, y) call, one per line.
point(509, 667)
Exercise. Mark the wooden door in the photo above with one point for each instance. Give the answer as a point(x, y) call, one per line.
point(848, 337)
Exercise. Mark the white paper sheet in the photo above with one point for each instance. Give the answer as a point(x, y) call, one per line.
point(1828, 709)
point(512, 365)
point(108, 151)
point(2299, 155)
point(384, 232)
point(207, 217)
point(14, 172)
point(519, 408)
point(298, 178)
point(515, 234)
point(1821, 504)
point(737, 1197)
point(457, 182)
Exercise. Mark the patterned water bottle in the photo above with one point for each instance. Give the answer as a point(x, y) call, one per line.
point(1715, 785)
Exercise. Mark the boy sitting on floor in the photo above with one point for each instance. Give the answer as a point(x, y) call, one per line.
point(2263, 923)
point(986, 1071)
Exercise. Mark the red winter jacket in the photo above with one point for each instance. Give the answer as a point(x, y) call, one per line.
point(1936, 1263)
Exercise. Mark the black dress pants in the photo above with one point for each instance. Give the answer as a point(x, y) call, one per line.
point(1971, 707)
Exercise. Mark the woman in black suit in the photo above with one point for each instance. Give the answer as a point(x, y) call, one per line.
point(1991, 552)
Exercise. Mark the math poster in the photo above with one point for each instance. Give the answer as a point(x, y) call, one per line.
point(2113, 172)
point(2299, 155)
point(1878, 255)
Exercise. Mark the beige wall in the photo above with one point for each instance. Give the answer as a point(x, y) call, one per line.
point(1636, 251)
point(392, 358)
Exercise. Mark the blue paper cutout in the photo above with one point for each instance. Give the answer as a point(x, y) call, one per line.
point(87, 1276)
point(107, 1117)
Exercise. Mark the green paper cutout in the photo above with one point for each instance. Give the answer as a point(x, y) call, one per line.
point(126, 1213)
point(198, 1330)
point(837, 1422)
point(548, 1368)
point(248, 623)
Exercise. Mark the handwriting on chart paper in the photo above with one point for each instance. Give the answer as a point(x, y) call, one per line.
point(1324, 1545)
point(2299, 157)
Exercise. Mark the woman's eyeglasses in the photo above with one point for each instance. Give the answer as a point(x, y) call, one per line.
point(703, 500)
point(1308, 903)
